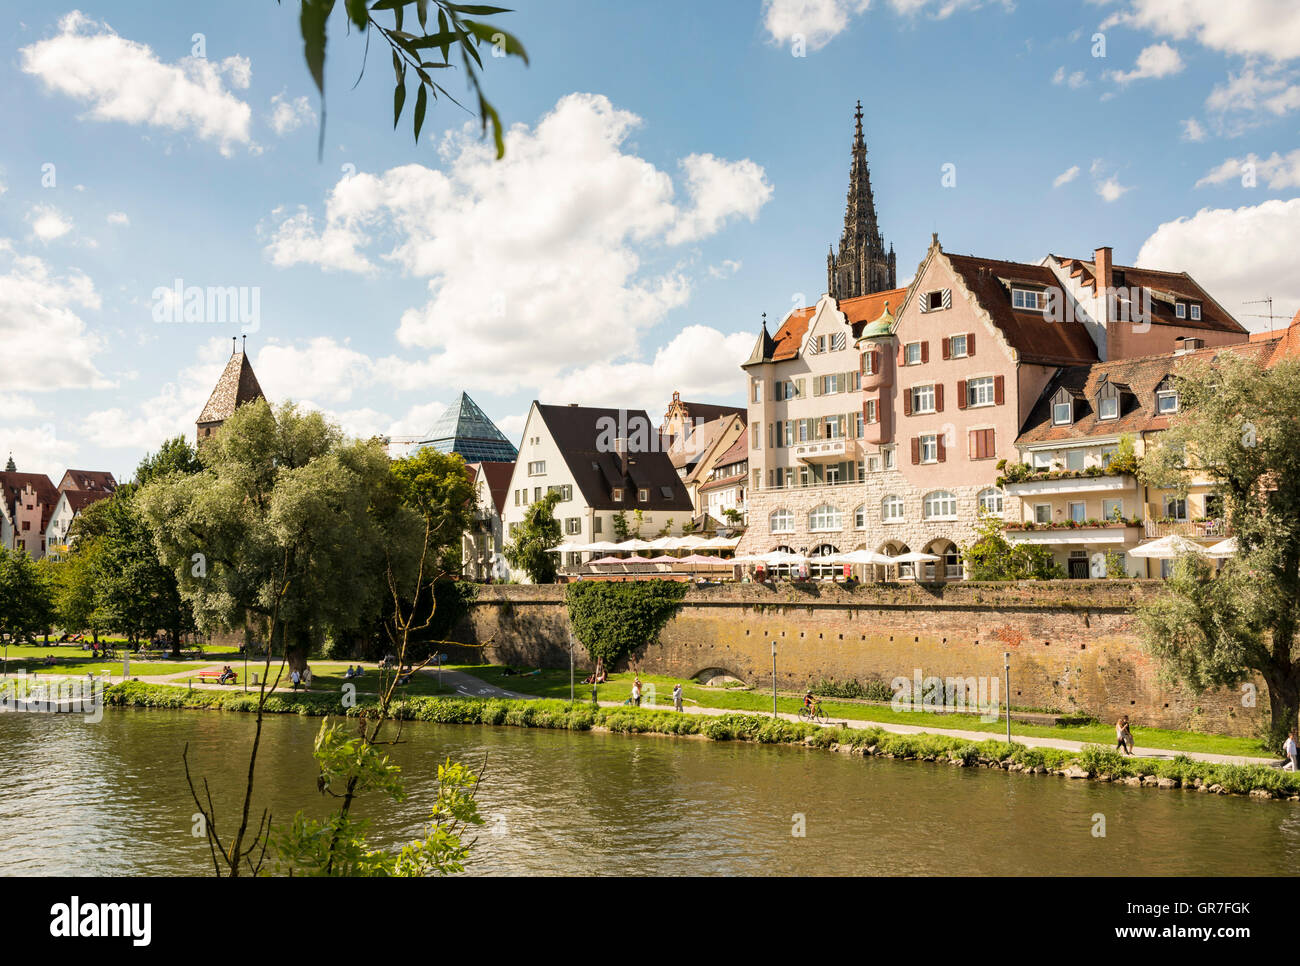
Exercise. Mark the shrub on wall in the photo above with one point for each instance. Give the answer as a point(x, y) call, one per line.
point(614, 618)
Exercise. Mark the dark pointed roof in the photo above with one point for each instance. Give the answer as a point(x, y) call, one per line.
point(763, 348)
point(465, 429)
point(237, 385)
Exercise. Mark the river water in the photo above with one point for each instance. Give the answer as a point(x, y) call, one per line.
point(109, 798)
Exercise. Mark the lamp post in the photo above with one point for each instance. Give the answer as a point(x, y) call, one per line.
point(1006, 668)
point(774, 679)
point(572, 698)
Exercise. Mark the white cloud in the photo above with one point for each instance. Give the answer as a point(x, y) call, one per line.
point(1268, 28)
point(1066, 176)
point(1073, 80)
point(122, 80)
point(1252, 97)
point(332, 370)
point(1193, 130)
point(289, 115)
point(1158, 60)
point(35, 448)
point(1277, 171)
point(1111, 190)
point(535, 264)
point(48, 223)
point(818, 22)
point(1238, 254)
point(39, 325)
point(728, 268)
point(119, 218)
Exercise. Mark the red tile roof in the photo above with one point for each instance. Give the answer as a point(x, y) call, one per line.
point(12, 484)
point(88, 480)
point(858, 310)
point(497, 475)
point(1166, 288)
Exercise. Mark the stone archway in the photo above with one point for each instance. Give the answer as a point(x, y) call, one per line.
point(950, 568)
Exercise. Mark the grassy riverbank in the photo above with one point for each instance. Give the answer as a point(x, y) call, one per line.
point(1092, 762)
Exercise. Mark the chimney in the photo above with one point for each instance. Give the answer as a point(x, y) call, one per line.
point(1105, 277)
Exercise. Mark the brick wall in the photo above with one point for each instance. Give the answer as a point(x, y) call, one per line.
point(1073, 644)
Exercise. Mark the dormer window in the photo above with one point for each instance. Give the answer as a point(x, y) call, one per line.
point(617, 495)
point(1180, 309)
point(1166, 402)
point(643, 495)
point(1108, 407)
point(1195, 311)
point(1029, 300)
point(1062, 413)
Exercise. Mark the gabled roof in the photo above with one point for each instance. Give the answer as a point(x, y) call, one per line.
point(237, 385)
point(78, 500)
point(1166, 289)
point(712, 411)
point(859, 311)
point(738, 453)
point(12, 484)
point(497, 477)
point(101, 480)
point(689, 449)
point(1036, 339)
point(1136, 378)
point(576, 431)
point(465, 429)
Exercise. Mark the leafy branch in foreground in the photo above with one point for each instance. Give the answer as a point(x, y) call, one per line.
point(459, 35)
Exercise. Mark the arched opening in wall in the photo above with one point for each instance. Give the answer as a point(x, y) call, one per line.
point(818, 570)
point(896, 548)
point(782, 570)
point(717, 677)
point(949, 568)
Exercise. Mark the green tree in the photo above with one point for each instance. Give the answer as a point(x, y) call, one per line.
point(991, 556)
point(529, 551)
point(73, 583)
point(174, 456)
point(26, 597)
point(1239, 425)
point(613, 619)
point(436, 486)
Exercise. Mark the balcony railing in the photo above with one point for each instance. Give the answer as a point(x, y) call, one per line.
point(1187, 528)
point(823, 449)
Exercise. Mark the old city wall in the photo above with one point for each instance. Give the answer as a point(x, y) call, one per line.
point(1073, 644)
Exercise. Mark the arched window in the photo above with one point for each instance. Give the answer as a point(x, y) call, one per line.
point(939, 505)
point(990, 501)
point(781, 521)
point(825, 517)
point(860, 517)
point(891, 508)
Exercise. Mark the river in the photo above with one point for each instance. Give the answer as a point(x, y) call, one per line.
point(109, 798)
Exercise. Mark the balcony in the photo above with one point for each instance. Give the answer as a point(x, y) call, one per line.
point(825, 451)
point(1118, 533)
point(1070, 483)
point(1192, 529)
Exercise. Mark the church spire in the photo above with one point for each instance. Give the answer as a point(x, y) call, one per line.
point(862, 265)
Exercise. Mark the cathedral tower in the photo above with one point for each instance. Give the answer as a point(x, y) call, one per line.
point(862, 265)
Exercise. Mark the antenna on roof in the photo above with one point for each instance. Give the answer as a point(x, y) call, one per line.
point(1266, 299)
point(245, 349)
point(233, 340)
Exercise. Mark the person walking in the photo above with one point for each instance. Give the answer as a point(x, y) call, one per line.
point(1292, 753)
point(1123, 737)
point(677, 700)
point(636, 692)
point(294, 678)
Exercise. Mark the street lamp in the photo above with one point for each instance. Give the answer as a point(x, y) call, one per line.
point(572, 698)
point(774, 679)
point(1006, 668)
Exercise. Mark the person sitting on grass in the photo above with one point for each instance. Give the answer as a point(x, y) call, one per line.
point(348, 674)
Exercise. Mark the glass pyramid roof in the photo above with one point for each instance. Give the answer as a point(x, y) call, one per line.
point(465, 429)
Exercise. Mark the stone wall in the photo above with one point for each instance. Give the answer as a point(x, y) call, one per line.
point(1073, 644)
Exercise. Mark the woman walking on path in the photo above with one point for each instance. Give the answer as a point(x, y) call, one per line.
point(636, 692)
point(677, 698)
point(1123, 737)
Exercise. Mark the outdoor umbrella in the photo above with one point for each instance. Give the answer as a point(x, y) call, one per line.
point(633, 544)
point(864, 557)
point(1166, 547)
point(1224, 548)
point(778, 558)
point(609, 560)
point(691, 542)
point(696, 559)
point(914, 556)
point(719, 543)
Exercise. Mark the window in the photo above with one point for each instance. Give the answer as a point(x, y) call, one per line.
point(934, 300)
point(1042, 461)
point(595, 525)
point(957, 347)
point(1176, 508)
point(781, 521)
point(891, 508)
point(1112, 509)
point(888, 454)
point(1196, 312)
point(860, 517)
point(756, 434)
point(758, 391)
point(940, 505)
point(516, 498)
point(1027, 299)
point(930, 449)
point(1167, 568)
point(1043, 513)
point(868, 363)
point(979, 392)
point(1167, 401)
point(1180, 310)
point(643, 495)
point(572, 525)
point(617, 495)
point(537, 468)
point(912, 354)
point(990, 501)
point(839, 340)
point(537, 493)
point(982, 444)
point(1075, 458)
point(1062, 413)
point(1078, 512)
point(872, 415)
point(1109, 408)
point(923, 399)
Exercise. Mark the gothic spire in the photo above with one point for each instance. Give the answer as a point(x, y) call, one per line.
point(862, 265)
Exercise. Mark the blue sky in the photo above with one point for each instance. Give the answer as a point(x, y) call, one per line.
point(673, 171)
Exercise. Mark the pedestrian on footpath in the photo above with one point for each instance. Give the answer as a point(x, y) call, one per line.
point(677, 700)
point(636, 692)
point(1292, 753)
point(294, 678)
point(1123, 737)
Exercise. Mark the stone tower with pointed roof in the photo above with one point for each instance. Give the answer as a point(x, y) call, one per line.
point(465, 429)
point(237, 385)
point(862, 265)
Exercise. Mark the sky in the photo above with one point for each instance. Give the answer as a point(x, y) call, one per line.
point(673, 171)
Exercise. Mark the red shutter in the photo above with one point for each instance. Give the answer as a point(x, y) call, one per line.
point(973, 444)
point(961, 393)
point(877, 361)
point(999, 390)
point(907, 402)
point(901, 356)
point(947, 354)
point(970, 343)
point(925, 352)
point(940, 452)
point(938, 397)
point(990, 443)
point(916, 449)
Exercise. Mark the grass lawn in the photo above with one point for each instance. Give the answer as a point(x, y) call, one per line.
point(555, 684)
point(79, 667)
